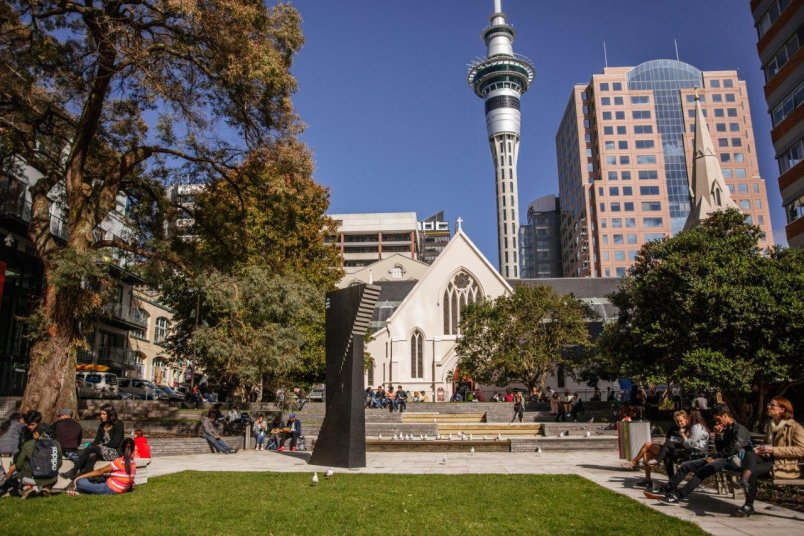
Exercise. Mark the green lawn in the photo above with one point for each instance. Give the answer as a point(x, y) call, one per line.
point(285, 503)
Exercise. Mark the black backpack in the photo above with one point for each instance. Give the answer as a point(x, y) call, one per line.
point(45, 459)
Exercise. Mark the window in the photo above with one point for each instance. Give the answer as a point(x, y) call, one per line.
point(731, 112)
point(648, 174)
point(606, 116)
point(648, 190)
point(604, 86)
point(615, 207)
point(632, 255)
point(734, 127)
point(628, 206)
point(611, 160)
point(624, 160)
point(728, 83)
point(640, 99)
point(742, 188)
point(722, 142)
point(714, 83)
point(622, 145)
point(727, 173)
point(617, 239)
point(627, 190)
point(646, 159)
point(616, 223)
point(719, 112)
point(651, 206)
point(620, 272)
point(791, 156)
point(608, 131)
point(605, 101)
point(725, 157)
point(644, 144)
point(736, 142)
point(613, 190)
point(770, 16)
point(739, 173)
point(717, 97)
point(632, 238)
point(643, 129)
point(417, 354)
point(619, 255)
point(653, 236)
point(619, 115)
point(626, 175)
point(720, 127)
point(617, 86)
point(161, 329)
point(370, 372)
point(461, 291)
point(757, 203)
point(745, 204)
point(730, 97)
point(641, 114)
point(630, 222)
point(158, 370)
point(609, 145)
point(652, 222)
point(782, 56)
point(756, 188)
point(612, 175)
point(790, 102)
point(618, 100)
point(605, 239)
point(621, 130)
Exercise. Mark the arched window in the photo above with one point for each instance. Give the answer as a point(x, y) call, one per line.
point(140, 364)
point(160, 329)
point(417, 355)
point(460, 292)
point(158, 370)
point(397, 272)
point(716, 191)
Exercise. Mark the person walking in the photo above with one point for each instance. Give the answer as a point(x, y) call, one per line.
point(519, 407)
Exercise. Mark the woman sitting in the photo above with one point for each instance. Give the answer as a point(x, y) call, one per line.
point(783, 449)
point(107, 444)
point(688, 434)
point(259, 430)
point(121, 474)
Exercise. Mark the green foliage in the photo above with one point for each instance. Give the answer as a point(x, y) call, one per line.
point(709, 310)
point(521, 337)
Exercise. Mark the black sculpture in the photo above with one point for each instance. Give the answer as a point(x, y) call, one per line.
point(342, 439)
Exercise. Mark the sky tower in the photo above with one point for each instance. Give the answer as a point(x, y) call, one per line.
point(500, 79)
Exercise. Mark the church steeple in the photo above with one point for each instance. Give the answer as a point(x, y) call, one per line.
point(708, 189)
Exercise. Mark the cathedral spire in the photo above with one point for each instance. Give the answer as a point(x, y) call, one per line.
point(708, 189)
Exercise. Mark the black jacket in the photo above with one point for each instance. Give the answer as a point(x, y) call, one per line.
point(116, 435)
point(732, 440)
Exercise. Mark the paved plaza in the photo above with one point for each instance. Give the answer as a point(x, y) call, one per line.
point(709, 511)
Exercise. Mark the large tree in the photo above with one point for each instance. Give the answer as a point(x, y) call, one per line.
point(708, 309)
point(107, 97)
point(522, 337)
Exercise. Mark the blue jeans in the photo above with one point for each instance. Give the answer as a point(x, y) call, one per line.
point(259, 437)
point(83, 484)
point(217, 444)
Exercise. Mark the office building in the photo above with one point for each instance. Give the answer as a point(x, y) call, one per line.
point(625, 156)
point(540, 240)
point(363, 239)
point(500, 79)
point(433, 236)
point(780, 31)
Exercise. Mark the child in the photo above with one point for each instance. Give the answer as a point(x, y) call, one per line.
point(141, 447)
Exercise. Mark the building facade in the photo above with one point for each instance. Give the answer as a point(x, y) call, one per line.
point(363, 239)
point(624, 152)
point(780, 32)
point(540, 240)
point(433, 236)
point(500, 79)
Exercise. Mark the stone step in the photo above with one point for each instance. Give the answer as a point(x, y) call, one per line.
point(443, 417)
point(576, 428)
point(491, 429)
point(375, 445)
point(607, 443)
point(389, 429)
point(187, 445)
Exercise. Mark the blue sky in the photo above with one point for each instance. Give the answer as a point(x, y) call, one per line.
point(394, 126)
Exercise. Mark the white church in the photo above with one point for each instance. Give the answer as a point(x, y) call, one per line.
point(415, 326)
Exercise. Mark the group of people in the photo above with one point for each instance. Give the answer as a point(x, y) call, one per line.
point(687, 443)
point(390, 399)
point(276, 435)
point(570, 404)
point(37, 451)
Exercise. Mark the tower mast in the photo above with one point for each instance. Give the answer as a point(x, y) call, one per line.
point(500, 79)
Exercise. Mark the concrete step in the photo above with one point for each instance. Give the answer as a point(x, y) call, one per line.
point(389, 429)
point(443, 417)
point(606, 443)
point(576, 428)
point(491, 429)
point(184, 446)
point(375, 445)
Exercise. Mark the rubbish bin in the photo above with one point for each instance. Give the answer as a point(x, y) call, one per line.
point(631, 436)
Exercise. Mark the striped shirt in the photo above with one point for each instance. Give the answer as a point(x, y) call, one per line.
point(119, 481)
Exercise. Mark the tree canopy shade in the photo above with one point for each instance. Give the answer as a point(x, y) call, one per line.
point(707, 309)
point(521, 337)
point(121, 97)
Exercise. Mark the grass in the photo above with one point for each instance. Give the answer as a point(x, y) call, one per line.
point(355, 504)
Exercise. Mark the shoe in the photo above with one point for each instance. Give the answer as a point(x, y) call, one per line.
point(671, 498)
point(650, 494)
point(293, 449)
point(28, 492)
point(628, 465)
point(281, 449)
point(644, 482)
point(744, 511)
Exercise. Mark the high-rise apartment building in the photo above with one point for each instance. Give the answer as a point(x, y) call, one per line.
point(780, 29)
point(500, 79)
point(540, 240)
point(433, 236)
point(624, 151)
point(363, 239)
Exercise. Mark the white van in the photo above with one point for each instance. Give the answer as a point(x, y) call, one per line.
point(97, 385)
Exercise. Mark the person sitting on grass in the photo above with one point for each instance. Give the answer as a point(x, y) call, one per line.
point(783, 448)
point(26, 467)
point(106, 445)
point(121, 474)
point(293, 432)
point(731, 440)
point(209, 431)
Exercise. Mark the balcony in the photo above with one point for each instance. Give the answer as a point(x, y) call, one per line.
point(20, 212)
point(126, 317)
point(117, 357)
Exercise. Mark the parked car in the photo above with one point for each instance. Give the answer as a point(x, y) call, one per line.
point(142, 389)
point(173, 396)
point(97, 385)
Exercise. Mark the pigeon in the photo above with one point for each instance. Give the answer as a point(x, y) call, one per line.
point(379, 437)
point(485, 437)
point(470, 436)
point(315, 479)
point(421, 437)
point(561, 434)
point(538, 450)
point(499, 436)
point(444, 460)
point(588, 434)
point(329, 473)
point(426, 437)
point(472, 450)
point(592, 419)
point(395, 437)
point(450, 437)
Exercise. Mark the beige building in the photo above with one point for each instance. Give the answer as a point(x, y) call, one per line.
point(625, 157)
point(152, 362)
point(363, 239)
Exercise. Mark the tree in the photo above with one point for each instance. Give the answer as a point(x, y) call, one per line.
point(707, 309)
point(111, 97)
point(521, 337)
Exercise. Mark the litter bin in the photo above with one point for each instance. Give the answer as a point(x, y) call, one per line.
point(631, 436)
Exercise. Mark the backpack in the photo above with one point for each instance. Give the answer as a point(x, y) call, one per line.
point(45, 460)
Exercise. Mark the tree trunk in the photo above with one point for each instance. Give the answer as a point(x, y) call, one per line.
point(51, 378)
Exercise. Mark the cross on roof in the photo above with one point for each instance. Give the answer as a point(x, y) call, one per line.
point(459, 221)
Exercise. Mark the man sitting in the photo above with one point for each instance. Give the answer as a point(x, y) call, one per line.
point(401, 399)
point(293, 432)
point(68, 433)
point(210, 432)
point(37, 463)
point(731, 438)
